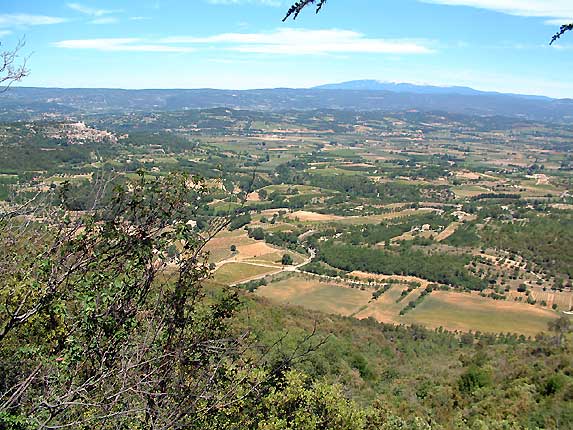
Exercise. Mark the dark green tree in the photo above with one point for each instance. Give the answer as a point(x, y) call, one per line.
point(561, 327)
point(287, 260)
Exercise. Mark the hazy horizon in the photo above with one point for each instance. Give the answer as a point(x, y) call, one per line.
point(284, 88)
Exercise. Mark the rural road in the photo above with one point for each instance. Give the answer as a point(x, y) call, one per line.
point(291, 269)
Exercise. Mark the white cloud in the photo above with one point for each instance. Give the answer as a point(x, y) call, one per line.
point(5, 33)
point(24, 20)
point(86, 10)
point(282, 42)
point(119, 45)
point(105, 20)
point(559, 21)
point(560, 10)
point(305, 42)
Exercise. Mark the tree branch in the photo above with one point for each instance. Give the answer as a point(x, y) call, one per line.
point(564, 29)
point(11, 70)
point(297, 8)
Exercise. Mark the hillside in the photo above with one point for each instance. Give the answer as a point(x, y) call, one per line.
point(34, 103)
point(446, 380)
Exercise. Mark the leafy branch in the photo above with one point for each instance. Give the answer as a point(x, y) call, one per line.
point(297, 7)
point(564, 29)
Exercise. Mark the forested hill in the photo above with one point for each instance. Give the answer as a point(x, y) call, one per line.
point(26, 103)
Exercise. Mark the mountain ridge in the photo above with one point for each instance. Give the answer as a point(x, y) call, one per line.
point(24, 103)
point(405, 87)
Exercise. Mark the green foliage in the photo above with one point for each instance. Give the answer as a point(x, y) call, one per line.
point(85, 309)
point(554, 384)
point(302, 405)
point(408, 376)
point(465, 235)
point(119, 311)
point(374, 234)
point(319, 268)
point(361, 186)
point(257, 233)
point(473, 379)
point(544, 240)
point(239, 222)
point(442, 268)
point(287, 260)
point(11, 421)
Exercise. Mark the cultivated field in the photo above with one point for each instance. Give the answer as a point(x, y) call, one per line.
point(465, 312)
point(306, 216)
point(232, 273)
point(318, 295)
point(449, 310)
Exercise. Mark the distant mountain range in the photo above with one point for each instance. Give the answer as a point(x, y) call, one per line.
point(21, 103)
point(373, 85)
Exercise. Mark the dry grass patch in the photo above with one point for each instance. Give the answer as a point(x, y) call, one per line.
point(254, 197)
point(563, 299)
point(313, 216)
point(465, 312)
point(562, 206)
point(385, 309)
point(406, 279)
point(451, 229)
point(307, 216)
point(254, 250)
point(219, 247)
point(468, 191)
point(314, 294)
point(232, 273)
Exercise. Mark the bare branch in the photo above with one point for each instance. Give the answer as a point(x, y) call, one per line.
point(11, 68)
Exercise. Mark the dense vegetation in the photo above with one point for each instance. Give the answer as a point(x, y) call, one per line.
point(442, 268)
point(472, 381)
point(544, 240)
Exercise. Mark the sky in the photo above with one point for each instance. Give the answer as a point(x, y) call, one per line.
point(493, 45)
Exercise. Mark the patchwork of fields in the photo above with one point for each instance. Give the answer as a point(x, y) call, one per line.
point(440, 220)
point(449, 310)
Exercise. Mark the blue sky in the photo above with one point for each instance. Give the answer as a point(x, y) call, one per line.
point(497, 45)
